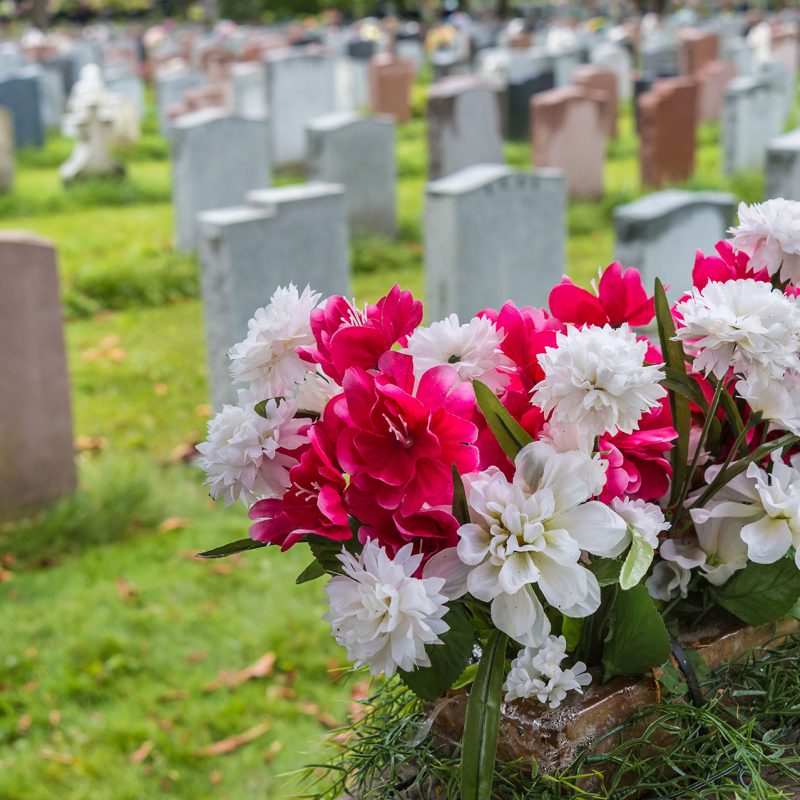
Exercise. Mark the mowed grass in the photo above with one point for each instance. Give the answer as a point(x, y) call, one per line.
point(112, 630)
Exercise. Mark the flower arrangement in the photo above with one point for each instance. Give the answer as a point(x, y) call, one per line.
point(520, 502)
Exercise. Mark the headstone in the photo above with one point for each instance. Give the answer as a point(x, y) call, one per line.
point(783, 166)
point(601, 80)
point(37, 457)
point(738, 51)
point(518, 101)
point(351, 83)
point(390, 82)
point(51, 95)
point(563, 65)
point(128, 85)
point(618, 59)
point(292, 234)
point(300, 86)
point(92, 156)
point(216, 159)
point(410, 50)
point(357, 153)
point(490, 234)
point(362, 49)
point(660, 232)
point(785, 47)
point(498, 65)
point(249, 83)
point(21, 95)
point(713, 80)
point(782, 86)
point(659, 57)
point(65, 66)
point(569, 133)
point(748, 125)
point(464, 126)
point(6, 150)
point(696, 49)
point(668, 131)
point(170, 88)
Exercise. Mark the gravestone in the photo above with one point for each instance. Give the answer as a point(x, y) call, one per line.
point(37, 462)
point(696, 48)
point(568, 133)
point(6, 150)
point(391, 79)
point(21, 95)
point(410, 50)
point(738, 51)
point(358, 153)
point(300, 86)
point(563, 65)
point(170, 88)
point(782, 86)
point(601, 80)
point(490, 234)
point(92, 156)
point(500, 65)
point(51, 95)
point(128, 85)
point(748, 124)
point(292, 234)
point(713, 80)
point(668, 131)
point(216, 159)
point(351, 83)
point(618, 59)
point(249, 90)
point(783, 166)
point(659, 57)
point(660, 232)
point(518, 101)
point(65, 66)
point(464, 125)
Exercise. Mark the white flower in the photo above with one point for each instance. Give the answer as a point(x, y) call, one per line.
point(242, 456)
point(314, 392)
point(762, 507)
point(769, 233)
point(381, 613)
point(473, 350)
point(531, 532)
point(743, 324)
point(536, 672)
point(778, 399)
point(668, 580)
point(596, 379)
point(645, 520)
point(267, 359)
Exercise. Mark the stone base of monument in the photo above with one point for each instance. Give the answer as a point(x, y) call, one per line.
point(555, 737)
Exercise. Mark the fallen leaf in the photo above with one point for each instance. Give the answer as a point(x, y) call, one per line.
point(184, 452)
point(222, 569)
point(55, 717)
point(166, 725)
point(116, 354)
point(307, 707)
point(160, 389)
point(196, 656)
point(272, 751)
point(175, 694)
point(30, 686)
point(6, 575)
point(24, 722)
point(141, 752)
point(284, 692)
point(109, 341)
point(60, 758)
point(215, 777)
point(203, 410)
point(89, 444)
point(174, 524)
point(127, 591)
point(260, 669)
point(232, 743)
point(8, 560)
point(329, 721)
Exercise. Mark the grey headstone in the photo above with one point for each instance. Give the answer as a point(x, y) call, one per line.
point(51, 95)
point(170, 88)
point(783, 166)
point(411, 50)
point(749, 122)
point(123, 82)
point(563, 65)
point(659, 58)
point(65, 66)
point(519, 93)
point(291, 234)
point(464, 126)
point(6, 150)
point(782, 86)
point(21, 95)
point(362, 49)
point(618, 59)
point(659, 233)
point(737, 50)
point(492, 234)
point(300, 86)
point(216, 159)
point(249, 90)
point(358, 153)
point(351, 84)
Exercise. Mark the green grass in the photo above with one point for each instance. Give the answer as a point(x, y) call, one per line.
point(105, 615)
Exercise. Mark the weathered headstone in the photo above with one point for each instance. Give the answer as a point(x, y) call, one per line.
point(660, 232)
point(170, 88)
point(37, 462)
point(601, 80)
point(659, 57)
point(358, 153)
point(351, 83)
point(518, 101)
point(51, 95)
point(696, 49)
point(783, 166)
point(490, 234)
point(569, 133)
point(782, 86)
point(6, 150)
point(618, 59)
point(216, 159)
point(300, 86)
point(464, 126)
point(713, 80)
point(748, 124)
point(668, 131)
point(249, 90)
point(21, 95)
point(390, 81)
point(292, 234)
point(128, 85)
point(92, 156)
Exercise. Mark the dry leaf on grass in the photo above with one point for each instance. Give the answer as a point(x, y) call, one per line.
point(225, 746)
point(141, 752)
point(127, 591)
point(329, 721)
point(307, 707)
point(215, 777)
point(272, 751)
point(160, 388)
point(196, 656)
point(55, 717)
point(262, 668)
point(185, 451)
point(24, 722)
point(60, 758)
point(174, 524)
point(6, 575)
point(89, 444)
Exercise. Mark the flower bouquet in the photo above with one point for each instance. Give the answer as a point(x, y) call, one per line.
point(523, 503)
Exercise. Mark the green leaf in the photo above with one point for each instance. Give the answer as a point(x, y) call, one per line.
point(606, 570)
point(239, 546)
point(761, 593)
point(674, 360)
point(680, 382)
point(448, 660)
point(638, 639)
point(510, 435)
point(460, 507)
point(325, 551)
point(482, 722)
point(313, 571)
point(571, 631)
point(634, 568)
point(467, 676)
point(672, 680)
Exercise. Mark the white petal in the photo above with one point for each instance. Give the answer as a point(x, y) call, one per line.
point(483, 581)
point(521, 616)
point(447, 565)
point(767, 539)
point(568, 588)
point(517, 571)
point(595, 527)
point(473, 543)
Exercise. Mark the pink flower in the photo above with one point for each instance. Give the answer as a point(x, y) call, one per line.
point(727, 265)
point(620, 298)
point(349, 337)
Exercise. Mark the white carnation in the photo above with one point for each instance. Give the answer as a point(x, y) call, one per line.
point(645, 520)
point(537, 672)
point(381, 613)
point(314, 392)
point(531, 532)
point(472, 349)
point(267, 359)
point(668, 580)
point(242, 456)
point(743, 324)
point(778, 399)
point(769, 233)
point(596, 379)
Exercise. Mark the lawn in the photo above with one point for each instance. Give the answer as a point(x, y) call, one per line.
point(114, 635)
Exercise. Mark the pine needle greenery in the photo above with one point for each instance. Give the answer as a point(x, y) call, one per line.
point(742, 743)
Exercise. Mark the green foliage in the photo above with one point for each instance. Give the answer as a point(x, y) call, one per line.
point(637, 640)
point(232, 548)
point(634, 568)
point(510, 435)
point(606, 570)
